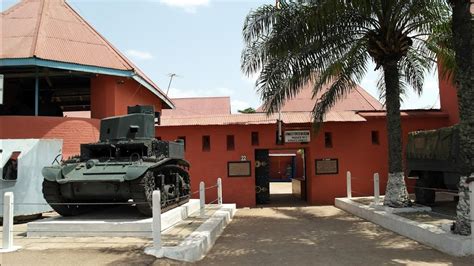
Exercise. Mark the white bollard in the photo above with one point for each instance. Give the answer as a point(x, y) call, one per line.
point(219, 191)
point(157, 219)
point(202, 199)
point(7, 245)
point(349, 188)
point(376, 189)
point(156, 250)
point(471, 203)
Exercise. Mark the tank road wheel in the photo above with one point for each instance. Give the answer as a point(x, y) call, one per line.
point(52, 194)
point(171, 172)
point(142, 193)
point(423, 195)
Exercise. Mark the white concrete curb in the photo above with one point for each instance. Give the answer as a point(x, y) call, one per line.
point(430, 235)
point(199, 242)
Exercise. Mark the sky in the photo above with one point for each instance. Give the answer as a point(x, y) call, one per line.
point(201, 42)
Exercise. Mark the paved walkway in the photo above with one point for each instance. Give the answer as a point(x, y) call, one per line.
point(316, 236)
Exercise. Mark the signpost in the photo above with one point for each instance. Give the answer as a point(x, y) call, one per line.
point(297, 136)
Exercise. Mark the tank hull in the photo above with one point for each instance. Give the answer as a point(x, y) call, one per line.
point(127, 163)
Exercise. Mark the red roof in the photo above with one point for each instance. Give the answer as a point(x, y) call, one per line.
point(259, 118)
point(357, 100)
point(52, 30)
point(199, 106)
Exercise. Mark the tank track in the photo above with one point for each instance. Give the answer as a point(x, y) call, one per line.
point(142, 188)
point(52, 195)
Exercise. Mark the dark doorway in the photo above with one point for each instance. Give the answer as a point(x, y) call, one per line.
point(280, 177)
point(262, 170)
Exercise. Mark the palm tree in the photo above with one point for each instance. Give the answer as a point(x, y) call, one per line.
point(332, 42)
point(462, 26)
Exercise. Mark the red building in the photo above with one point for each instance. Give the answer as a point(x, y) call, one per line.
point(352, 138)
point(55, 64)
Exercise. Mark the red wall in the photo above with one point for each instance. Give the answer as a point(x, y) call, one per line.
point(352, 146)
point(73, 131)
point(111, 95)
point(448, 98)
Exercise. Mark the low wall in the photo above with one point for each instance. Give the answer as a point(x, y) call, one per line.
point(430, 235)
point(73, 131)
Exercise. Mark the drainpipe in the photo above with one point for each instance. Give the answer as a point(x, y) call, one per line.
point(279, 127)
point(36, 93)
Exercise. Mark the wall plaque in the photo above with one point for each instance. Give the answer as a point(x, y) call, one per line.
point(297, 136)
point(326, 166)
point(238, 169)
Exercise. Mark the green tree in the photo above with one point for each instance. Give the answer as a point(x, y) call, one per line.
point(332, 42)
point(249, 110)
point(462, 26)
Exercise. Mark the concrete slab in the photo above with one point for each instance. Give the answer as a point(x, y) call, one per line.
point(430, 235)
point(200, 241)
point(121, 221)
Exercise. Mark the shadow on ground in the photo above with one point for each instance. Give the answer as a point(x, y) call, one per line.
point(316, 235)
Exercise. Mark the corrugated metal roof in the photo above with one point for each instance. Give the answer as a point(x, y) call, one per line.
point(53, 30)
point(259, 118)
point(357, 100)
point(199, 106)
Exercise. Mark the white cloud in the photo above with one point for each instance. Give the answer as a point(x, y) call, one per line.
point(189, 6)
point(238, 105)
point(252, 78)
point(141, 55)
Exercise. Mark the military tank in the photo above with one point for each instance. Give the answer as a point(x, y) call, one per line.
point(128, 163)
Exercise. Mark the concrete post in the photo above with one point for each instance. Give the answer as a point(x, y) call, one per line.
point(157, 219)
point(202, 199)
point(7, 221)
point(219, 191)
point(376, 189)
point(349, 188)
point(471, 210)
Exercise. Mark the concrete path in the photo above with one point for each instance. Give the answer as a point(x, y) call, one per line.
point(316, 236)
point(260, 236)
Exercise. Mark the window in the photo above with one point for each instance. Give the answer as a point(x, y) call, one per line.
point(206, 143)
point(10, 170)
point(254, 138)
point(230, 143)
point(183, 139)
point(328, 139)
point(375, 137)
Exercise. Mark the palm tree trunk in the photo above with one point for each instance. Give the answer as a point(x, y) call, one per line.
point(396, 194)
point(463, 42)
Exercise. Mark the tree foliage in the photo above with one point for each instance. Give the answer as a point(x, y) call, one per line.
point(329, 44)
point(332, 42)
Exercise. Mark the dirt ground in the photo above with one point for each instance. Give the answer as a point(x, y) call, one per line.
point(269, 235)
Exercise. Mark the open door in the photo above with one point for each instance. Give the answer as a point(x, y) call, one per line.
point(262, 179)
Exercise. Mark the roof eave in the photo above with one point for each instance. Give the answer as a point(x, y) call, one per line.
point(152, 89)
point(34, 61)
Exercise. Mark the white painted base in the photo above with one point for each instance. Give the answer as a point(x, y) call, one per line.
point(199, 242)
point(154, 252)
point(388, 209)
point(12, 249)
point(430, 235)
point(89, 225)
